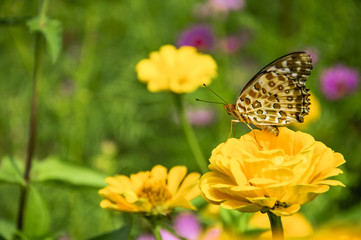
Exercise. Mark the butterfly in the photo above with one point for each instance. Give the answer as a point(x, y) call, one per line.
point(276, 95)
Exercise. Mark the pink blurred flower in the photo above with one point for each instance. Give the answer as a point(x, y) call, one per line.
point(227, 5)
point(187, 226)
point(214, 8)
point(200, 117)
point(339, 81)
point(146, 237)
point(230, 44)
point(198, 36)
point(233, 43)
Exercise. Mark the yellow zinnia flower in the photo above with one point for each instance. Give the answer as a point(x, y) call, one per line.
point(286, 172)
point(154, 192)
point(180, 70)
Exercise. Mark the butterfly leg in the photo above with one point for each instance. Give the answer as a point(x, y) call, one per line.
point(254, 133)
point(232, 121)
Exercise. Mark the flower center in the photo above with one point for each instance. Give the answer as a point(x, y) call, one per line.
point(155, 192)
point(199, 43)
point(341, 88)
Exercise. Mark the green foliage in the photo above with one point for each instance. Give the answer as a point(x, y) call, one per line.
point(37, 216)
point(53, 169)
point(51, 30)
point(122, 233)
point(11, 171)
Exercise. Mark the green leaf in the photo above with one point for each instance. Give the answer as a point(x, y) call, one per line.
point(52, 31)
point(11, 171)
point(54, 169)
point(238, 220)
point(37, 216)
point(122, 233)
point(7, 229)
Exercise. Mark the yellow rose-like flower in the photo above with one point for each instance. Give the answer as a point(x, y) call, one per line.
point(154, 192)
point(286, 172)
point(180, 70)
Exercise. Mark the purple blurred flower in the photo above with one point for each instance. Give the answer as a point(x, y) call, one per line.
point(187, 226)
point(200, 117)
point(198, 36)
point(339, 81)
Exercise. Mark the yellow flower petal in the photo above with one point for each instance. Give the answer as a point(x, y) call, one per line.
point(189, 187)
point(263, 201)
point(159, 173)
point(332, 183)
point(241, 206)
point(183, 202)
point(175, 177)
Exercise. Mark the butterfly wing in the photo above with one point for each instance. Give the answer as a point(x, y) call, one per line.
point(277, 95)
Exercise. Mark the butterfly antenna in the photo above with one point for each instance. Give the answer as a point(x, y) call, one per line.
point(199, 100)
point(215, 93)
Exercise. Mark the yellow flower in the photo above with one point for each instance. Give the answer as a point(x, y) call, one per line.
point(313, 115)
point(337, 231)
point(180, 70)
point(295, 226)
point(286, 172)
point(154, 192)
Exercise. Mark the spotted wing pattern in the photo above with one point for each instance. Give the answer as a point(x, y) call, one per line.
point(277, 95)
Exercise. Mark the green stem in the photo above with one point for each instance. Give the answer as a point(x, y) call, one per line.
point(156, 232)
point(43, 10)
point(276, 226)
point(191, 137)
point(172, 231)
point(131, 223)
point(32, 129)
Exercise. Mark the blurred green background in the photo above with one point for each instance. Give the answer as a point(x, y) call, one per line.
point(95, 115)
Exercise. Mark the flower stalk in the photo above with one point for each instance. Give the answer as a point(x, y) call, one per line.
point(32, 123)
point(172, 231)
point(156, 232)
point(276, 226)
point(191, 137)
